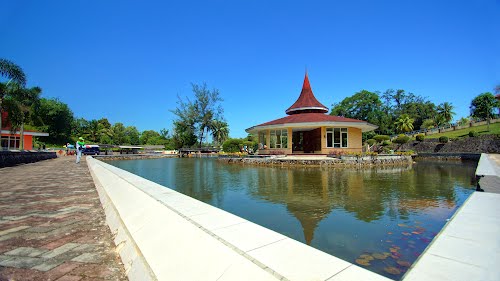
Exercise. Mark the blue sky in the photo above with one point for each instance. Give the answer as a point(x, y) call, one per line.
point(129, 60)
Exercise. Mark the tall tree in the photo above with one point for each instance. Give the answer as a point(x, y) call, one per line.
point(56, 119)
point(483, 106)
point(16, 81)
point(404, 123)
point(207, 108)
point(132, 135)
point(25, 102)
point(92, 131)
point(119, 136)
point(445, 112)
point(184, 134)
point(150, 137)
point(195, 117)
point(363, 105)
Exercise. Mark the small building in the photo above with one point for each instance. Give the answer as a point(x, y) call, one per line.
point(309, 130)
point(11, 140)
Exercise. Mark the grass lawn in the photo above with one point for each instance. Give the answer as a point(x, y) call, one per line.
point(482, 130)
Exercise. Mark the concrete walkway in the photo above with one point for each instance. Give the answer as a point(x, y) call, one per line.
point(52, 225)
point(468, 247)
point(489, 168)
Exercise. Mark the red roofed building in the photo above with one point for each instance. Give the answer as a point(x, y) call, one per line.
point(12, 140)
point(308, 129)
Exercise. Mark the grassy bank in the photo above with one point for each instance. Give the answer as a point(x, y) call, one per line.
point(482, 130)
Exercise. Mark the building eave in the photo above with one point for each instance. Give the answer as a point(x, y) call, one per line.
point(323, 109)
point(364, 126)
point(26, 133)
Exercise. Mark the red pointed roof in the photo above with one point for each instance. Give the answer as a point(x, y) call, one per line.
point(307, 102)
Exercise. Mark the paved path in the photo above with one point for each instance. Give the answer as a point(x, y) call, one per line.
point(489, 168)
point(52, 225)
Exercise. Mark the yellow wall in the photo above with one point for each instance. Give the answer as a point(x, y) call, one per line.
point(354, 142)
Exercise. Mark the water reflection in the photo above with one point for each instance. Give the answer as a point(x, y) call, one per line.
point(381, 218)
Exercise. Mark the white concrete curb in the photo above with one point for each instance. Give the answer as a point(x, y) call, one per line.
point(164, 235)
point(485, 167)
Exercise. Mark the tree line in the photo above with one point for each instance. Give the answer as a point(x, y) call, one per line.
point(27, 110)
point(398, 111)
point(200, 120)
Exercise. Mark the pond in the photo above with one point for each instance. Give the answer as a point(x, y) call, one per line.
point(378, 218)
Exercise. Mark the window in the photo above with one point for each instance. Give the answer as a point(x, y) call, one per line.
point(279, 139)
point(336, 137)
point(262, 139)
point(10, 142)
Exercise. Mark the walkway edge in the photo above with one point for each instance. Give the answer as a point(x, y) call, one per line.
point(181, 238)
point(136, 267)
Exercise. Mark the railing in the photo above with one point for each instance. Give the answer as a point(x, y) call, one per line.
point(448, 127)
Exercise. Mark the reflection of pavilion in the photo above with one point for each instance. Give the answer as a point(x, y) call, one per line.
point(311, 194)
point(307, 196)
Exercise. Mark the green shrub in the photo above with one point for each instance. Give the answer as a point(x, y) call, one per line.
point(420, 137)
point(386, 143)
point(381, 138)
point(371, 141)
point(401, 139)
point(473, 134)
point(232, 145)
point(443, 139)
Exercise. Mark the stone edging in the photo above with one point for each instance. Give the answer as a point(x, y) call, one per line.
point(351, 161)
point(12, 158)
point(164, 235)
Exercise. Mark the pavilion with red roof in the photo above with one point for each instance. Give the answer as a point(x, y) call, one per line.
point(308, 129)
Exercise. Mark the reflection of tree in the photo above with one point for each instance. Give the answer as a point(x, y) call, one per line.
point(310, 194)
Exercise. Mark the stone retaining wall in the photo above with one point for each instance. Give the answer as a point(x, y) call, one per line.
point(12, 158)
point(481, 144)
point(448, 156)
point(334, 162)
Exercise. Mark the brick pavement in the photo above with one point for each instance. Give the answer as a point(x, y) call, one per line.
point(52, 225)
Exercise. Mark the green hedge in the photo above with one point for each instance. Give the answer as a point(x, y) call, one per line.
point(232, 145)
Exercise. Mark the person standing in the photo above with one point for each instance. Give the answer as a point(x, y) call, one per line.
point(80, 144)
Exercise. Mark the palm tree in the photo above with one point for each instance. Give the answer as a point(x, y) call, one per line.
point(404, 123)
point(92, 131)
point(21, 108)
point(13, 73)
point(220, 131)
point(445, 112)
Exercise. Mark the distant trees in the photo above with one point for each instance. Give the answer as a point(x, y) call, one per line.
point(484, 105)
point(404, 123)
point(56, 118)
point(12, 89)
point(363, 105)
point(384, 110)
point(195, 119)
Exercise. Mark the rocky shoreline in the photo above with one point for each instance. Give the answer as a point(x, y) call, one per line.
point(349, 161)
